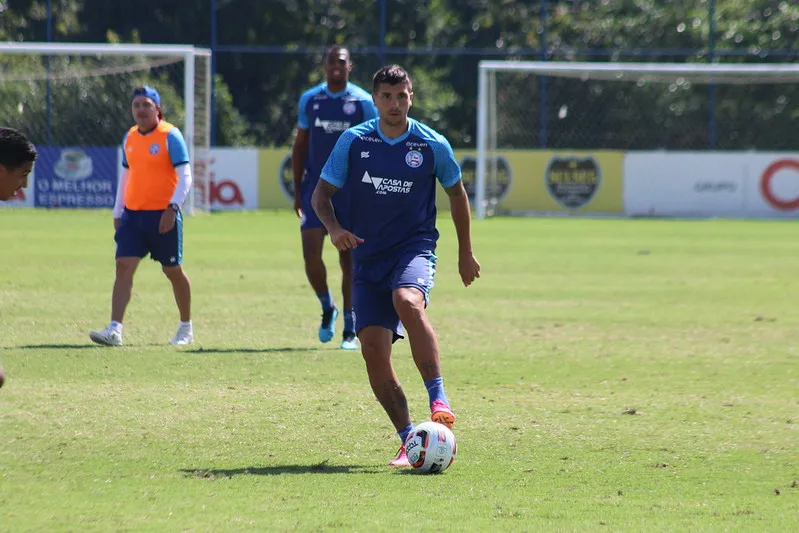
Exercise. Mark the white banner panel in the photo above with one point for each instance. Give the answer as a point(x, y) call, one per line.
point(708, 184)
point(234, 178)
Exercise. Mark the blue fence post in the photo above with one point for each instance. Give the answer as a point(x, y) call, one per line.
point(213, 71)
point(711, 126)
point(542, 80)
point(382, 46)
point(49, 90)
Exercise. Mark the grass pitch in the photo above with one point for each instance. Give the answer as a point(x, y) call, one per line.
point(619, 375)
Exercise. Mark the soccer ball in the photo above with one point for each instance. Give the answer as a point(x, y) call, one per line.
point(430, 448)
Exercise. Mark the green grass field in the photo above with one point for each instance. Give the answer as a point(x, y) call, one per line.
point(609, 375)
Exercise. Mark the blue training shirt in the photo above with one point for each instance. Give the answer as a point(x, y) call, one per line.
point(392, 185)
point(327, 115)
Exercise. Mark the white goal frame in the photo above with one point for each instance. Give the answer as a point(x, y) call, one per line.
point(188, 53)
point(625, 72)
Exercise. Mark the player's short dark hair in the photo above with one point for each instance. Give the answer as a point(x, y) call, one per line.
point(391, 74)
point(15, 149)
point(336, 49)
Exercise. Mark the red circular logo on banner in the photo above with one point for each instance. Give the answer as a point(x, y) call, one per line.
point(765, 184)
point(226, 192)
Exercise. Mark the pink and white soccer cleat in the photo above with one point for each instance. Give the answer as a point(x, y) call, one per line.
point(441, 413)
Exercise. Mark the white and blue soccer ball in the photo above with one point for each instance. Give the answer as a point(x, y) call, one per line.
point(430, 447)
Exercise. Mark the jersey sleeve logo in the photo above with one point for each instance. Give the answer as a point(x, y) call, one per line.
point(349, 108)
point(154, 149)
point(414, 159)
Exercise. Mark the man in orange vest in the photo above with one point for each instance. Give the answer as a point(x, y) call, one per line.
point(155, 182)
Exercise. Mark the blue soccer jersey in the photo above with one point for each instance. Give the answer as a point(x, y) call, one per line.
point(392, 185)
point(326, 115)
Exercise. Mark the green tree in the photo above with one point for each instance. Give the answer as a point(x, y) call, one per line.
point(257, 93)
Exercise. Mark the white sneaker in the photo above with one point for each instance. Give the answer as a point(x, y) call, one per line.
point(107, 337)
point(184, 335)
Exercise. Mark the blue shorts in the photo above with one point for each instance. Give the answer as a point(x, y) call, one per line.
point(309, 219)
point(375, 281)
point(138, 235)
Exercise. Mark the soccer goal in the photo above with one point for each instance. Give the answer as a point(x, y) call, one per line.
point(75, 99)
point(526, 106)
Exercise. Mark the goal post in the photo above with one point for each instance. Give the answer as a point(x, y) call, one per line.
point(68, 95)
point(571, 106)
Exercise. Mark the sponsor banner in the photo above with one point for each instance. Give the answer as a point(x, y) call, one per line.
point(275, 182)
point(682, 184)
point(76, 177)
point(87, 177)
point(697, 184)
point(772, 187)
point(527, 181)
point(232, 174)
point(541, 181)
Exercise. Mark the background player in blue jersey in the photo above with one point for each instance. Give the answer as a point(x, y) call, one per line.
point(325, 111)
point(389, 167)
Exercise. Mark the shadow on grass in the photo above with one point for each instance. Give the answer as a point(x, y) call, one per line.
point(191, 350)
point(321, 468)
point(57, 346)
point(249, 350)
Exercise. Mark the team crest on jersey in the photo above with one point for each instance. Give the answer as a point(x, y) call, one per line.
point(349, 108)
point(154, 149)
point(414, 159)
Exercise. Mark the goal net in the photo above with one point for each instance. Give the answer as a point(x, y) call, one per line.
point(73, 101)
point(578, 107)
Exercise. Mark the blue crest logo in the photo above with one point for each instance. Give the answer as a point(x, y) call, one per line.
point(414, 159)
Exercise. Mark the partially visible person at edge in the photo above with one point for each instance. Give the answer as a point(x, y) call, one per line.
point(17, 155)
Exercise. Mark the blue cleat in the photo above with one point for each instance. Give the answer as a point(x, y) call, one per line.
point(327, 329)
point(350, 341)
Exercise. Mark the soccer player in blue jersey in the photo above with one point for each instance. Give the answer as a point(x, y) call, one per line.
point(389, 167)
point(325, 111)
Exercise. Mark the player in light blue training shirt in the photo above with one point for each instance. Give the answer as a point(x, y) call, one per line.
point(325, 112)
point(388, 168)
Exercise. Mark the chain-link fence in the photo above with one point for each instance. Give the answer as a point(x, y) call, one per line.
point(71, 100)
point(682, 112)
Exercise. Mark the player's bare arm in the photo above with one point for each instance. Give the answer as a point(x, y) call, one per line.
point(298, 154)
point(468, 266)
point(322, 203)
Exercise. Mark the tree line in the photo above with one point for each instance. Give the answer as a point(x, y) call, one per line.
point(256, 94)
